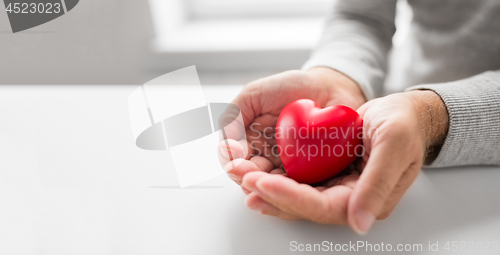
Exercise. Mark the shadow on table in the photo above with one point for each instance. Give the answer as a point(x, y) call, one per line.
point(440, 202)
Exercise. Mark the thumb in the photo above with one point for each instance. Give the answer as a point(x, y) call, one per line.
point(377, 181)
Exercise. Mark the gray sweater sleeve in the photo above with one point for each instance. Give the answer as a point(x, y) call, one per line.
point(356, 40)
point(473, 106)
point(357, 37)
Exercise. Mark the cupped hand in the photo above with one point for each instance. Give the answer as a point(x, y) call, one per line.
point(250, 146)
point(398, 131)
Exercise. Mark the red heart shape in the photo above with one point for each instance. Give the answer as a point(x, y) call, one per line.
point(316, 144)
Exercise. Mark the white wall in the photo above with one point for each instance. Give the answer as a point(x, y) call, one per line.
point(98, 42)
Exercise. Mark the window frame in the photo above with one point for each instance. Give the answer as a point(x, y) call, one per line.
point(278, 43)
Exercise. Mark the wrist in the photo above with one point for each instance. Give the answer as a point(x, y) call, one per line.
point(339, 84)
point(433, 120)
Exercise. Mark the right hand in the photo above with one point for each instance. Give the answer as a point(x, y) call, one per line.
point(261, 102)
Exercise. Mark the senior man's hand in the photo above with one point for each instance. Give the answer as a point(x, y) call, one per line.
point(400, 130)
point(251, 145)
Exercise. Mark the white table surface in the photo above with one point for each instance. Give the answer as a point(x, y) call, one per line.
point(72, 181)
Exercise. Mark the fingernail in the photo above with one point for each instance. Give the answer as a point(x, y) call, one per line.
point(257, 208)
point(245, 190)
point(363, 221)
point(265, 192)
point(259, 189)
point(224, 152)
point(234, 177)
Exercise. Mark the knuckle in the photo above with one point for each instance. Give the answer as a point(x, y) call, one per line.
point(331, 215)
point(399, 129)
point(251, 200)
point(380, 190)
point(384, 215)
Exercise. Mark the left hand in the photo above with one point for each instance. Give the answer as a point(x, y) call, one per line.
point(398, 131)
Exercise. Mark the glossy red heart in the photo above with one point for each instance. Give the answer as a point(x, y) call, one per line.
point(316, 144)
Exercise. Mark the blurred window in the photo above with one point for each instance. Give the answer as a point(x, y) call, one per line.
point(202, 9)
point(235, 35)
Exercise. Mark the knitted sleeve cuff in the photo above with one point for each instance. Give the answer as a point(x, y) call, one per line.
point(473, 106)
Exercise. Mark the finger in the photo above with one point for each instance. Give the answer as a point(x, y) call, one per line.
point(362, 109)
point(321, 188)
point(262, 163)
point(377, 181)
point(289, 196)
point(237, 168)
point(346, 180)
point(236, 118)
point(229, 150)
point(266, 148)
point(265, 124)
point(254, 202)
point(233, 130)
point(278, 171)
point(338, 198)
point(246, 191)
point(350, 180)
point(337, 179)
